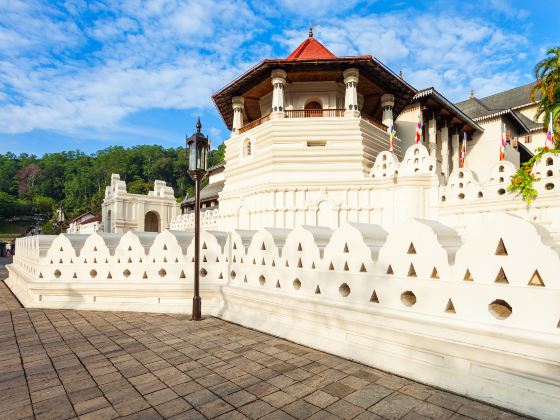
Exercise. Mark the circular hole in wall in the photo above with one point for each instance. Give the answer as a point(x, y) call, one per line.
point(549, 162)
point(408, 298)
point(126, 272)
point(162, 272)
point(57, 274)
point(344, 290)
point(203, 272)
point(233, 274)
point(93, 273)
point(262, 280)
point(443, 198)
point(548, 173)
point(461, 175)
point(500, 309)
point(297, 284)
point(501, 191)
point(480, 195)
point(501, 168)
point(461, 196)
point(549, 186)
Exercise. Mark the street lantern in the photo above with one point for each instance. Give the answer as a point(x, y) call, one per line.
point(198, 145)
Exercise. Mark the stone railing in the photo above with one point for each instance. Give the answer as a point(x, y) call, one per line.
point(476, 314)
point(314, 113)
point(209, 219)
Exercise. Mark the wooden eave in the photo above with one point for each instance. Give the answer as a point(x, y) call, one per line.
point(375, 80)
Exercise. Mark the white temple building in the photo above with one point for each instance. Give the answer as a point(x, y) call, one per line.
point(308, 146)
point(314, 231)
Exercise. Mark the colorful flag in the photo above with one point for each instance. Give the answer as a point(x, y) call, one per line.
point(391, 131)
point(503, 144)
point(419, 129)
point(463, 153)
point(549, 142)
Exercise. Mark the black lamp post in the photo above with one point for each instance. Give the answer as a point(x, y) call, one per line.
point(198, 145)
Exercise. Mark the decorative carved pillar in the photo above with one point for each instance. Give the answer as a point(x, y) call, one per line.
point(455, 151)
point(351, 77)
point(444, 133)
point(432, 127)
point(278, 82)
point(387, 103)
point(238, 104)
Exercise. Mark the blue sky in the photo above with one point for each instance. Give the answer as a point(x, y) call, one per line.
point(90, 74)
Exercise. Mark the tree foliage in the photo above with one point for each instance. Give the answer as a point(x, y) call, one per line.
point(30, 185)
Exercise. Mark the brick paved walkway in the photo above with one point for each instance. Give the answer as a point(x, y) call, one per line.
point(57, 364)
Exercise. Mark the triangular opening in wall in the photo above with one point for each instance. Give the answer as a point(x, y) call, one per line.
point(118, 260)
point(468, 276)
point(346, 248)
point(75, 276)
point(217, 259)
point(374, 297)
point(389, 270)
point(245, 279)
point(287, 265)
point(234, 259)
point(129, 259)
point(72, 261)
point(346, 266)
point(182, 275)
point(191, 260)
point(129, 248)
point(313, 265)
point(501, 249)
point(411, 249)
point(221, 276)
point(317, 290)
point(263, 262)
point(411, 271)
point(234, 245)
point(263, 248)
point(165, 259)
point(176, 259)
point(450, 308)
point(94, 249)
point(40, 275)
point(164, 247)
point(299, 248)
point(145, 276)
point(501, 277)
point(254, 261)
point(52, 262)
point(278, 284)
point(60, 261)
point(109, 276)
point(154, 260)
point(139, 260)
point(331, 266)
point(203, 259)
point(227, 260)
point(85, 261)
point(95, 260)
point(60, 249)
point(204, 245)
point(241, 260)
point(273, 263)
point(106, 261)
point(363, 268)
point(435, 274)
point(299, 264)
point(536, 279)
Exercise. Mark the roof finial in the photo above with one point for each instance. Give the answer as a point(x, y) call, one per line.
point(198, 125)
point(310, 31)
point(472, 93)
point(400, 74)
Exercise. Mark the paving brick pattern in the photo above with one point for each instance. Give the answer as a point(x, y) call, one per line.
point(57, 364)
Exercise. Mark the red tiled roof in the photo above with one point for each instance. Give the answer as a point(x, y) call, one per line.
point(310, 49)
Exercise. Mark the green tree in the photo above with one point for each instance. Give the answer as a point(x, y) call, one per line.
point(546, 90)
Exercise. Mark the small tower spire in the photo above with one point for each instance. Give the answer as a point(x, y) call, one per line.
point(310, 31)
point(472, 93)
point(198, 125)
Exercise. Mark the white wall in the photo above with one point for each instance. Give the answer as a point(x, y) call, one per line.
point(331, 290)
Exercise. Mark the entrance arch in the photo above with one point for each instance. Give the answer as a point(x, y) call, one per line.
point(151, 222)
point(313, 109)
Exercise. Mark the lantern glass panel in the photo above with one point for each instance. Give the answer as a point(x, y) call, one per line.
point(201, 156)
point(192, 157)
